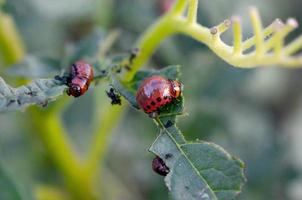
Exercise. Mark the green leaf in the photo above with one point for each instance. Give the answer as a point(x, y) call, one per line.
point(35, 67)
point(39, 92)
point(199, 170)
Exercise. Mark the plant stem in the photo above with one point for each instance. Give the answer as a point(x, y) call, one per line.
point(177, 9)
point(257, 26)
point(237, 35)
point(47, 192)
point(49, 128)
point(192, 11)
point(108, 121)
point(150, 41)
point(11, 46)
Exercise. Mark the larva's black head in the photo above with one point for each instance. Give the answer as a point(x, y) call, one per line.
point(74, 90)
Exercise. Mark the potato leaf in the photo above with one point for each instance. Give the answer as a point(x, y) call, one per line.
point(39, 92)
point(198, 170)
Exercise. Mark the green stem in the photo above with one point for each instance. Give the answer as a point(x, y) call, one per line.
point(150, 41)
point(192, 11)
point(49, 128)
point(178, 8)
point(11, 47)
point(108, 120)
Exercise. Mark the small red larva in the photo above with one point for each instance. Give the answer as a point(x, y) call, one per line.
point(157, 91)
point(159, 166)
point(81, 74)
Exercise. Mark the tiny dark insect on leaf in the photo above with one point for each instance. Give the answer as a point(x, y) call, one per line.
point(114, 96)
point(168, 155)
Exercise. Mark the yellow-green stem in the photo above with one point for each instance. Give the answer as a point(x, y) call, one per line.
point(192, 11)
point(49, 128)
point(108, 120)
point(237, 35)
point(257, 26)
point(177, 9)
point(11, 46)
point(150, 41)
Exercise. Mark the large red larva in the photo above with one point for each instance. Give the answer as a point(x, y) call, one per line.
point(81, 74)
point(157, 91)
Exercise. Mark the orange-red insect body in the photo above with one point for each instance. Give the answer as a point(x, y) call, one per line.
point(157, 91)
point(81, 74)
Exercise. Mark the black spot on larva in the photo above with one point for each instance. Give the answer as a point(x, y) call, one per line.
point(148, 107)
point(158, 99)
point(165, 97)
point(153, 103)
point(168, 155)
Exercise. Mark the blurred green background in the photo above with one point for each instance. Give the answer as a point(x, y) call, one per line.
point(254, 114)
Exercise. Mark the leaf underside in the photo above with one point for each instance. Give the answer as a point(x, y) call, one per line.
point(198, 170)
point(38, 92)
